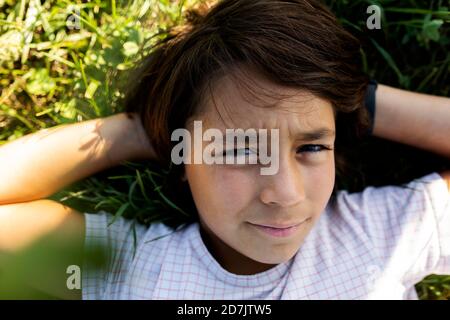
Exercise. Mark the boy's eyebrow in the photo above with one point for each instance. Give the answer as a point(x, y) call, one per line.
point(315, 134)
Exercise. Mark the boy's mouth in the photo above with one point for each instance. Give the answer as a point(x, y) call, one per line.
point(279, 230)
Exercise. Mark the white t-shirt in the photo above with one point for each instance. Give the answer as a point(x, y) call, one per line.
point(374, 244)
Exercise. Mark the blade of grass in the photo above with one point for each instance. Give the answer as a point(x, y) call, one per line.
point(391, 62)
point(119, 213)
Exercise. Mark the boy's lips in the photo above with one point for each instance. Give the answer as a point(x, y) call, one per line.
point(277, 230)
point(279, 226)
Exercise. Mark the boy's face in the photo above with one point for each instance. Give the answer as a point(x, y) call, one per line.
point(234, 201)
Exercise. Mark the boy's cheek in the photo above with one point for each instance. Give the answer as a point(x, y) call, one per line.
point(235, 185)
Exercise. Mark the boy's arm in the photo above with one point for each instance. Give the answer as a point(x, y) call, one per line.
point(39, 242)
point(52, 235)
point(39, 164)
point(416, 119)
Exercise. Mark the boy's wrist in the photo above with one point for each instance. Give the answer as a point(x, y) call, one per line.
point(123, 139)
point(146, 150)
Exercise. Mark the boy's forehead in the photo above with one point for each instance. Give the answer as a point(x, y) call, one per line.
point(298, 112)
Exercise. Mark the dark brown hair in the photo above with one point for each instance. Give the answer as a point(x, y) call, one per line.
point(293, 43)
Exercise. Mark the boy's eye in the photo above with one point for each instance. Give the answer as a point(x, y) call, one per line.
point(309, 148)
point(239, 152)
point(312, 148)
point(241, 156)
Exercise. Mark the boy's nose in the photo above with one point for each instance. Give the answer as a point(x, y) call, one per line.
point(286, 187)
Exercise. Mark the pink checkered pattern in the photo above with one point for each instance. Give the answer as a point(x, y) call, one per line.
point(374, 244)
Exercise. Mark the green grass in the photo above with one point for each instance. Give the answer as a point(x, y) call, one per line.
point(52, 73)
